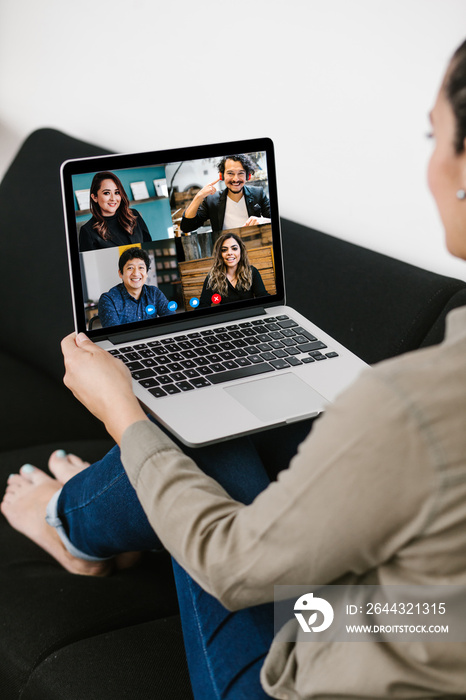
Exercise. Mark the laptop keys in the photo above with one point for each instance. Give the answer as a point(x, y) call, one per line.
point(185, 386)
point(158, 392)
point(200, 382)
point(148, 383)
point(241, 372)
point(196, 360)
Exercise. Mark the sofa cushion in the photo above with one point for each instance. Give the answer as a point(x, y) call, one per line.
point(43, 608)
point(142, 662)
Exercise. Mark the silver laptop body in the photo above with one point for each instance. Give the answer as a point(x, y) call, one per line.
point(206, 372)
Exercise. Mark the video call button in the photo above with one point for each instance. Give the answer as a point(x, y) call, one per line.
point(216, 298)
point(150, 309)
point(194, 302)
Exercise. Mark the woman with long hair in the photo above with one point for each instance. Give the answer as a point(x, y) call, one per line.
point(232, 277)
point(113, 223)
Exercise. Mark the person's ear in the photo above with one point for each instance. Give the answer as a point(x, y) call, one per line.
point(463, 164)
point(220, 176)
point(94, 198)
point(463, 173)
point(120, 274)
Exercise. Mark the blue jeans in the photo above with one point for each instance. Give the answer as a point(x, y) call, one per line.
point(98, 515)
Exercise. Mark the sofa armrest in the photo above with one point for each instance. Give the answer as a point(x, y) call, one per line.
point(375, 305)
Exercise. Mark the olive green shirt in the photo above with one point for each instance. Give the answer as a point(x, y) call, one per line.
point(377, 491)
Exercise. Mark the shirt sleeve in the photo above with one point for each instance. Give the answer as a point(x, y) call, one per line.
point(258, 287)
point(358, 490)
point(161, 304)
point(145, 234)
point(265, 205)
point(85, 238)
point(202, 215)
point(107, 311)
point(206, 295)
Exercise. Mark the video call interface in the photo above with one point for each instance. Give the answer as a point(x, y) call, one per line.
point(167, 239)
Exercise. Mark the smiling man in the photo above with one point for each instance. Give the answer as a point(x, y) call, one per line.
point(133, 299)
point(238, 205)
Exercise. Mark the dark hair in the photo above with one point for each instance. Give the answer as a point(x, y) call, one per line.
point(126, 217)
point(455, 91)
point(217, 279)
point(247, 163)
point(130, 254)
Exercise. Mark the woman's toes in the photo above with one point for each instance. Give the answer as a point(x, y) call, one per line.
point(34, 475)
point(78, 462)
point(64, 466)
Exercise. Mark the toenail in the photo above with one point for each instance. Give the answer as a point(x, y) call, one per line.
point(60, 453)
point(11, 475)
point(27, 468)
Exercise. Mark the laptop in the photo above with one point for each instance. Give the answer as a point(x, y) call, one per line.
point(198, 312)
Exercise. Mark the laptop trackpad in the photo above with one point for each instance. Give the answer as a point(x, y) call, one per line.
point(280, 397)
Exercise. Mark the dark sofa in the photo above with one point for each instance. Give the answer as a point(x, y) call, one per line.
point(65, 636)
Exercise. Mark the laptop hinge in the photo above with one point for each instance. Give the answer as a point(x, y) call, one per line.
point(185, 325)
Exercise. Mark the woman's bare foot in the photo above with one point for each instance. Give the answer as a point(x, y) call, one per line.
point(24, 506)
point(64, 466)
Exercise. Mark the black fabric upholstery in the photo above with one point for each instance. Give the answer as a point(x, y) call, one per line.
point(33, 232)
point(36, 408)
point(44, 609)
point(73, 637)
point(437, 331)
point(141, 662)
point(375, 305)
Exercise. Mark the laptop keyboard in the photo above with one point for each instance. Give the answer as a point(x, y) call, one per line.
point(214, 356)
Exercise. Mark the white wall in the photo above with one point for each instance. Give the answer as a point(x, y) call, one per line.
point(101, 271)
point(342, 86)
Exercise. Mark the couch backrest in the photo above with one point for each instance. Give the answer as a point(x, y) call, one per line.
point(377, 306)
point(35, 288)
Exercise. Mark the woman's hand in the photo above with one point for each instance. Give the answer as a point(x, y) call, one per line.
point(102, 383)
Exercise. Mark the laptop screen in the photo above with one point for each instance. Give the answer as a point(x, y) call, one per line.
point(158, 237)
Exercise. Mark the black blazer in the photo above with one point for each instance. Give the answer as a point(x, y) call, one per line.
point(213, 208)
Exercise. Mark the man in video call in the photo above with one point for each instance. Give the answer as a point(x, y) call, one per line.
point(132, 300)
point(238, 205)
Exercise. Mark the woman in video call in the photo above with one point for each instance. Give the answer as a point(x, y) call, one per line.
point(375, 494)
point(113, 223)
point(232, 277)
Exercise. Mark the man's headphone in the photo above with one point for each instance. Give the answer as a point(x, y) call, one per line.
point(220, 176)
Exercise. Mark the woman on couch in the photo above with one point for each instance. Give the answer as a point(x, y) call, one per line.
point(377, 493)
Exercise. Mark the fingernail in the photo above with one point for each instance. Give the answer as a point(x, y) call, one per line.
point(27, 468)
point(60, 453)
point(10, 476)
